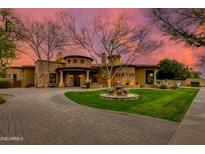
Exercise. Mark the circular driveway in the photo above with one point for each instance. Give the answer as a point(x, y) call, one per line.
point(45, 116)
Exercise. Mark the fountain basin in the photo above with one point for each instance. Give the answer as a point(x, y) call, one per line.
point(129, 96)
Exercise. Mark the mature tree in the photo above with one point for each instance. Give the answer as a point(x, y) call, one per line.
point(182, 25)
point(195, 74)
point(55, 40)
point(9, 36)
point(10, 23)
point(45, 38)
point(7, 52)
point(172, 69)
point(110, 38)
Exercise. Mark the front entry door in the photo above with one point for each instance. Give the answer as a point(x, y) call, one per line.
point(76, 79)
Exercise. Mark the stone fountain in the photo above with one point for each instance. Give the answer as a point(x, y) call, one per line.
point(118, 92)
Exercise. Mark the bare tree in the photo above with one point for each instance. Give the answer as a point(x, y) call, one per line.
point(182, 25)
point(111, 38)
point(55, 40)
point(44, 37)
point(33, 36)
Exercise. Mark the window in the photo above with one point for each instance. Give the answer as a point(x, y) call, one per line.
point(15, 77)
point(68, 61)
point(149, 76)
point(122, 74)
point(82, 61)
point(2, 75)
point(52, 78)
point(74, 60)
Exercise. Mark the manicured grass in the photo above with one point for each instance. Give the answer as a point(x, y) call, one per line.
point(2, 100)
point(167, 104)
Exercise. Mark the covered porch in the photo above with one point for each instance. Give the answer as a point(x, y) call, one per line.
point(76, 77)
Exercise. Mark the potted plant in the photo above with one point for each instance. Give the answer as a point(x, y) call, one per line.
point(87, 83)
point(111, 91)
point(119, 92)
point(127, 82)
point(125, 91)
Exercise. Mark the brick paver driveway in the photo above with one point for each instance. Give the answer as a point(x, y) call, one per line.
point(45, 116)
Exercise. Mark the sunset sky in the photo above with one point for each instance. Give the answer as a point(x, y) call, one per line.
point(139, 16)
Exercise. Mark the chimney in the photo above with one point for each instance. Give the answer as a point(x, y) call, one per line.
point(60, 56)
point(103, 58)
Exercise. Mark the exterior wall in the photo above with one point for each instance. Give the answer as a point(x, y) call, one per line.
point(10, 74)
point(28, 77)
point(115, 60)
point(87, 62)
point(126, 76)
point(41, 72)
point(101, 78)
point(187, 82)
point(140, 76)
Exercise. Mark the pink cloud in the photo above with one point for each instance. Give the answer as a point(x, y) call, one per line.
point(169, 50)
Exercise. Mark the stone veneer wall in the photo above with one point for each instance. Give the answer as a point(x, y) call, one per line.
point(100, 78)
point(41, 72)
point(69, 79)
point(87, 62)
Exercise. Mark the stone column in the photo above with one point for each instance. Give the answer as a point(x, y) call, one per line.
point(155, 76)
point(87, 75)
point(61, 83)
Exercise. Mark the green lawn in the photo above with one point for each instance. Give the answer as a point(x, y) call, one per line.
point(2, 100)
point(167, 104)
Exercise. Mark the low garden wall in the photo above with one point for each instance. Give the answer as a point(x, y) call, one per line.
point(187, 82)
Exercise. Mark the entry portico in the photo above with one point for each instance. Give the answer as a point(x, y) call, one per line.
point(70, 77)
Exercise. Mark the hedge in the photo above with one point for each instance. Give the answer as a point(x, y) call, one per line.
point(5, 84)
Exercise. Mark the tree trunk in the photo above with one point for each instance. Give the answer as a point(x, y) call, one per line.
point(109, 83)
point(47, 74)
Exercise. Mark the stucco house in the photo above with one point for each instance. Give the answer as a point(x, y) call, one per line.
point(75, 70)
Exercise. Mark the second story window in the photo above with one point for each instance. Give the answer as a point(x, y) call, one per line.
point(74, 60)
point(82, 61)
point(68, 61)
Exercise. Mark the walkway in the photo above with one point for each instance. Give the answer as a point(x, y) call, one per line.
point(192, 128)
point(45, 116)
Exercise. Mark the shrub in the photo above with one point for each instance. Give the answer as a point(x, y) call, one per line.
point(163, 86)
point(119, 92)
point(174, 87)
point(2, 100)
point(111, 90)
point(87, 83)
point(5, 84)
point(125, 91)
point(195, 84)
